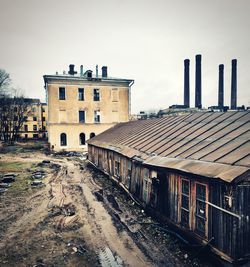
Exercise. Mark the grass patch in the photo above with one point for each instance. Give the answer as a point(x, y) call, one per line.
point(23, 147)
point(21, 184)
point(15, 166)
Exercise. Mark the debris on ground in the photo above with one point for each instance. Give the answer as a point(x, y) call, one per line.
point(37, 183)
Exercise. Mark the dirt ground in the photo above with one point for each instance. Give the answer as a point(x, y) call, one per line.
point(78, 218)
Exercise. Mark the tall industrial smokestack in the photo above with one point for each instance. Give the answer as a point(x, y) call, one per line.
point(81, 70)
point(198, 81)
point(234, 85)
point(104, 71)
point(186, 83)
point(221, 86)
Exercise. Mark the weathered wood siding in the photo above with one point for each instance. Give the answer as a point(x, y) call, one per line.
point(228, 225)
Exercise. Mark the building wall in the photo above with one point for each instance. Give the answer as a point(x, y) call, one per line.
point(40, 112)
point(207, 209)
point(63, 116)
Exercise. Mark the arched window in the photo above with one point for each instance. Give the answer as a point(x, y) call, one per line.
point(82, 139)
point(92, 135)
point(63, 139)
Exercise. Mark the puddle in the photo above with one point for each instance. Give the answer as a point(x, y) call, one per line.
point(107, 259)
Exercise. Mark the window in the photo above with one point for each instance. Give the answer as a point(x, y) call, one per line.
point(63, 139)
point(43, 109)
point(15, 109)
point(34, 127)
point(43, 118)
point(33, 109)
point(92, 135)
point(80, 94)
point(82, 139)
point(146, 185)
point(81, 116)
point(201, 209)
point(44, 128)
point(185, 209)
point(34, 118)
point(26, 128)
point(117, 168)
point(61, 93)
point(97, 116)
point(35, 136)
point(96, 95)
point(15, 118)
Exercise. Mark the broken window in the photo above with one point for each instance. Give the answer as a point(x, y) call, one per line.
point(81, 116)
point(97, 116)
point(61, 93)
point(82, 139)
point(80, 94)
point(63, 139)
point(201, 209)
point(185, 198)
point(96, 95)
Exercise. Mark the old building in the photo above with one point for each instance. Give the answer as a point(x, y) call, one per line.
point(192, 170)
point(35, 125)
point(82, 106)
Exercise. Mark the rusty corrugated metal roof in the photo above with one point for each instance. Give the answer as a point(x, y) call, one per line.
point(212, 144)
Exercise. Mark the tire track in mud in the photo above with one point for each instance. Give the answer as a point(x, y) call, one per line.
point(114, 248)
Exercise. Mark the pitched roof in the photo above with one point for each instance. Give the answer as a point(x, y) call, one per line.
point(212, 144)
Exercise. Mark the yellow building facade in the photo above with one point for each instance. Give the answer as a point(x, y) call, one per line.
point(35, 126)
point(82, 106)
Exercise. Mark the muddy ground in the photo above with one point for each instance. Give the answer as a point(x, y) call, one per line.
point(78, 218)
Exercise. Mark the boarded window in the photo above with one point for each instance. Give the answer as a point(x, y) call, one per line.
point(82, 139)
point(185, 202)
point(80, 94)
point(114, 95)
point(63, 115)
point(63, 139)
point(61, 93)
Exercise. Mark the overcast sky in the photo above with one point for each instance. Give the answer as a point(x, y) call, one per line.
point(145, 40)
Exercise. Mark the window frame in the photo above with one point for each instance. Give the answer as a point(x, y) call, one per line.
point(59, 95)
point(78, 96)
point(198, 216)
point(84, 116)
point(94, 95)
point(97, 117)
point(84, 139)
point(66, 143)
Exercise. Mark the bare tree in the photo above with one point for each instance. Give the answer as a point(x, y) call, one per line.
point(5, 82)
point(14, 109)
